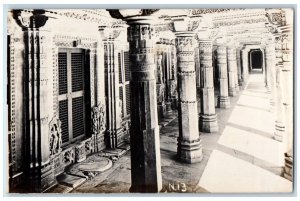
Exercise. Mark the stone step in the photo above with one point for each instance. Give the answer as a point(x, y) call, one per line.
point(59, 188)
point(70, 180)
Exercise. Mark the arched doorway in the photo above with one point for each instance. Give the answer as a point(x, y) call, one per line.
point(256, 60)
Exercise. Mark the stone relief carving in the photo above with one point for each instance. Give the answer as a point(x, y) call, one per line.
point(98, 118)
point(98, 16)
point(276, 18)
point(69, 156)
point(184, 41)
point(205, 11)
point(55, 136)
point(232, 23)
point(89, 146)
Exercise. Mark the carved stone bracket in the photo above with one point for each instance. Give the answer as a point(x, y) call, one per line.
point(276, 17)
point(30, 18)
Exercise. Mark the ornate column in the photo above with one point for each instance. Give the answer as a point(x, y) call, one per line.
point(42, 138)
point(239, 67)
point(245, 64)
point(189, 143)
point(208, 119)
point(223, 99)
point(279, 122)
point(144, 131)
point(287, 78)
point(270, 66)
point(112, 43)
point(282, 22)
point(232, 73)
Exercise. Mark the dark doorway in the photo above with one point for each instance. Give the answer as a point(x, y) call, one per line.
point(256, 59)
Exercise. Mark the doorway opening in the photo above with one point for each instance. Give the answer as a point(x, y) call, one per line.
point(256, 60)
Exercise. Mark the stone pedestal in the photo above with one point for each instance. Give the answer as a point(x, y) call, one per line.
point(223, 99)
point(208, 119)
point(189, 144)
point(144, 131)
point(232, 74)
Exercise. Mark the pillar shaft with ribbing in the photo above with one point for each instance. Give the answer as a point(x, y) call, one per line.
point(232, 73)
point(208, 119)
point(189, 143)
point(223, 99)
point(144, 131)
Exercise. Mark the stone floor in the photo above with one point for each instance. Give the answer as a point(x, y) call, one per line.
point(241, 157)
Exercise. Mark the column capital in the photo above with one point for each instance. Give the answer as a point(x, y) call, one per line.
point(185, 23)
point(112, 33)
point(275, 16)
point(30, 19)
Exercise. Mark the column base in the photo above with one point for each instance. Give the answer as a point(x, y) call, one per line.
point(174, 103)
point(161, 110)
point(237, 88)
point(208, 123)
point(232, 92)
point(223, 102)
point(190, 151)
point(168, 106)
point(145, 189)
point(39, 182)
point(288, 167)
point(279, 131)
point(241, 82)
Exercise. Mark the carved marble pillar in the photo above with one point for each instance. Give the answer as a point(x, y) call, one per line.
point(270, 66)
point(287, 84)
point(160, 86)
point(144, 131)
point(223, 99)
point(38, 101)
point(189, 143)
point(173, 83)
point(232, 73)
point(245, 65)
point(208, 119)
point(239, 68)
point(112, 39)
point(112, 101)
point(279, 122)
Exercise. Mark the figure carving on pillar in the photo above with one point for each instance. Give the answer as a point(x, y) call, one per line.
point(55, 136)
point(98, 118)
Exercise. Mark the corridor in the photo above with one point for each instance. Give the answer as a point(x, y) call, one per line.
point(241, 157)
point(253, 158)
